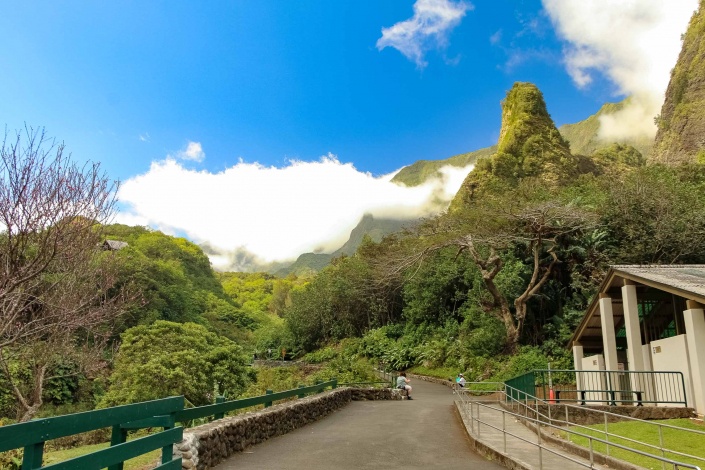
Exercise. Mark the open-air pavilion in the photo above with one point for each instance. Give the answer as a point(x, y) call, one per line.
point(645, 319)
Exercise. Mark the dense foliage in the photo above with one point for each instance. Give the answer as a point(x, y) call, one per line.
point(167, 358)
point(512, 266)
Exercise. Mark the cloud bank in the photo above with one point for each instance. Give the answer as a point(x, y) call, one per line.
point(428, 29)
point(272, 213)
point(634, 43)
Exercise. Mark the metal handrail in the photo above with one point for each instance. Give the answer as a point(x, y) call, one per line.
point(607, 434)
point(538, 422)
point(605, 386)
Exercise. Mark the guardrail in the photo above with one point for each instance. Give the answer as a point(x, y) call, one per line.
point(218, 410)
point(165, 413)
point(387, 375)
point(32, 435)
point(609, 387)
point(528, 409)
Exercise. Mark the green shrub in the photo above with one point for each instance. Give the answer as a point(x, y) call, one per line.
point(166, 359)
point(321, 355)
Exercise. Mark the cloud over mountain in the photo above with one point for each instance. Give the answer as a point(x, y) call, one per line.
point(633, 43)
point(275, 213)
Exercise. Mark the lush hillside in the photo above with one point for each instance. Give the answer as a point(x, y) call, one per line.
point(306, 265)
point(373, 228)
point(310, 263)
point(420, 171)
point(681, 125)
point(582, 135)
point(496, 287)
point(174, 281)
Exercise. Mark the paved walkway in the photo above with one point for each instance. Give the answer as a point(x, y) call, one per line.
point(419, 434)
point(519, 441)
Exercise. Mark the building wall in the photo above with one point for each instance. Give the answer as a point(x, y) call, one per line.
point(597, 382)
point(671, 354)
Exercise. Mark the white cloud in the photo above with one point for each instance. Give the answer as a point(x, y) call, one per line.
point(633, 43)
point(427, 29)
point(275, 213)
point(193, 152)
point(144, 137)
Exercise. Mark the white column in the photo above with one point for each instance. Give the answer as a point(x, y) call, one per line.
point(694, 319)
point(631, 325)
point(578, 364)
point(609, 341)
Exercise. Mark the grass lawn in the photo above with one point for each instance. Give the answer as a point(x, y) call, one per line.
point(677, 440)
point(142, 462)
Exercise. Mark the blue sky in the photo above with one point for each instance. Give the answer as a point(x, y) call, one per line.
point(213, 85)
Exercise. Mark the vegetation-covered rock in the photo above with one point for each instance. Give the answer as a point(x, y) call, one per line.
point(529, 146)
point(681, 125)
point(618, 158)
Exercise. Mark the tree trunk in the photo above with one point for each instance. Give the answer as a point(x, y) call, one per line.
point(32, 407)
point(489, 268)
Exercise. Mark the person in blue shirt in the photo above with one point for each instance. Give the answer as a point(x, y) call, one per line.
point(402, 382)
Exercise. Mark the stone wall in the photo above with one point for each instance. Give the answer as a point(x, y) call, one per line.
point(587, 415)
point(446, 382)
point(205, 446)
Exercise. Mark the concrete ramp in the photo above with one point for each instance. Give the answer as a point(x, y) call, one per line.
point(422, 433)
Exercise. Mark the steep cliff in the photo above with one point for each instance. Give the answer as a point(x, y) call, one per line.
point(681, 125)
point(529, 145)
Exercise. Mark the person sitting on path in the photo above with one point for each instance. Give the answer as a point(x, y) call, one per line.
point(461, 381)
point(402, 382)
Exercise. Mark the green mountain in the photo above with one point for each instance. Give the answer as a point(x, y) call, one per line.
point(583, 135)
point(306, 265)
point(529, 145)
point(309, 263)
point(681, 125)
point(420, 171)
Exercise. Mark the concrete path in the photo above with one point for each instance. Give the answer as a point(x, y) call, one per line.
point(419, 434)
point(519, 441)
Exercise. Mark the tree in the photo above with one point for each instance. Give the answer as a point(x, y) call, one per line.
point(57, 289)
point(167, 358)
point(529, 219)
point(657, 215)
point(539, 228)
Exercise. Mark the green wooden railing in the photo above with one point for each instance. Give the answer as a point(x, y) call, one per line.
point(165, 413)
point(33, 434)
point(218, 410)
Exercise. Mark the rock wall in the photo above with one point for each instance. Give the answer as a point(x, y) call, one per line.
point(586, 415)
point(205, 446)
point(446, 382)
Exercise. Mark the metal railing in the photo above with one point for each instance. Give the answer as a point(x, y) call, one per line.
point(538, 413)
point(607, 387)
point(387, 374)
